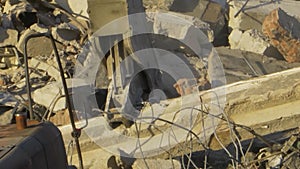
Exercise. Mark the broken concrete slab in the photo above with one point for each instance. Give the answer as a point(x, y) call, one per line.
point(156, 163)
point(50, 96)
point(283, 31)
point(256, 11)
point(50, 69)
point(40, 46)
point(245, 101)
point(208, 11)
point(236, 68)
point(253, 41)
point(8, 37)
point(176, 25)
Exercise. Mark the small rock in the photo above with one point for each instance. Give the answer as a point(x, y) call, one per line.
point(156, 163)
point(275, 161)
point(283, 31)
point(6, 115)
point(8, 37)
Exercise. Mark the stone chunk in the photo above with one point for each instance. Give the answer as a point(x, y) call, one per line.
point(6, 116)
point(283, 31)
point(255, 12)
point(176, 25)
point(252, 41)
point(8, 37)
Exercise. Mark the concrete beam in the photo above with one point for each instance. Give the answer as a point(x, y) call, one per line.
point(268, 105)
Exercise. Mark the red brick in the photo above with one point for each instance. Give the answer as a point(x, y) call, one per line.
point(283, 39)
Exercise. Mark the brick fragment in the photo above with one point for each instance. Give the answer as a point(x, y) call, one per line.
point(283, 31)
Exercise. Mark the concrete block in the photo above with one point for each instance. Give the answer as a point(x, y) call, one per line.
point(256, 11)
point(176, 25)
point(252, 41)
point(210, 12)
point(283, 31)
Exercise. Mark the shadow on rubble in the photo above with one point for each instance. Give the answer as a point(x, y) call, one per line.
point(256, 154)
point(184, 6)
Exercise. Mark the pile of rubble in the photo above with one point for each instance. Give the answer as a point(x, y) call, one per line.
point(259, 27)
point(265, 28)
point(20, 19)
point(253, 28)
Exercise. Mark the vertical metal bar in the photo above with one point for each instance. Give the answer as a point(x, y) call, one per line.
point(76, 132)
point(28, 87)
point(68, 101)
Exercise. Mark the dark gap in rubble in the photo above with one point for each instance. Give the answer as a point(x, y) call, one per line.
point(221, 39)
point(255, 153)
point(28, 18)
point(184, 6)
